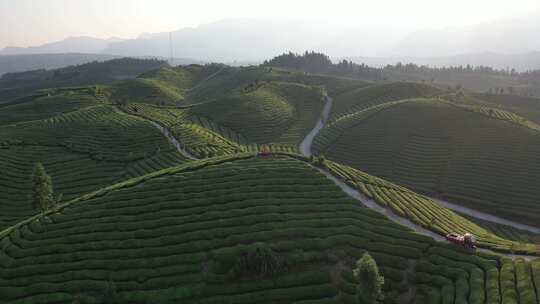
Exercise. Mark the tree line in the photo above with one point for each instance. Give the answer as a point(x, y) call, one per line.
point(320, 63)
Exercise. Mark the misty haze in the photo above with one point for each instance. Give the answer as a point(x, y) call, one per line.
point(370, 152)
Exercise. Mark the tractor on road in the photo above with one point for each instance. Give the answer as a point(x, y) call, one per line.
point(466, 240)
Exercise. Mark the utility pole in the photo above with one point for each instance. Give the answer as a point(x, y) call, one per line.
point(171, 48)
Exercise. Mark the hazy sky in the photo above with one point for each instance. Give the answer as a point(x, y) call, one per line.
point(32, 22)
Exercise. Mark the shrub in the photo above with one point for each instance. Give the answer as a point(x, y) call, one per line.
point(260, 260)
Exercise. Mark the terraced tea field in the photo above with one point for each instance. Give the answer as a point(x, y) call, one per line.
point(528, 107)
point(142, 223)
point(82, 150)
point(351, 101)
point(423, 211)
point(144, 241)
point(45, 105)
point(275, 112)
point(198, 136)
point(443, 150)
point(163, 86)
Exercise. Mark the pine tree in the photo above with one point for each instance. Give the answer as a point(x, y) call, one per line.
point(370, 281)
point(42, 190)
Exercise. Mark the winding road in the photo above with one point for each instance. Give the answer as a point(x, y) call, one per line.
point(305, 149)
point(305, 146)
point(171, 139)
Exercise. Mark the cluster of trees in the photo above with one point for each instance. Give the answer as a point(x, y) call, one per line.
point(320, 63)
point(370, 281)
point(309, 61)
point(414, 68)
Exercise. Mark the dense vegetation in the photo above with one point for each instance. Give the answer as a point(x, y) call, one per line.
point(445, 150)
point(144, 241)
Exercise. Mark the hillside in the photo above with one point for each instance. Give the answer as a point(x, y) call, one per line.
point(143, 240)
point(274, 112)
point(163, 86)
point(528, 107)
point(14, 85)
point(47, 103)
point(464, 154)
point(20, 63)
point(350, 101)
point(82, 149)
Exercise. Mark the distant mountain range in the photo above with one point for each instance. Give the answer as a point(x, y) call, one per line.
point(28, 62)
point(20, 63)
point(86, 45)
point(505, 43)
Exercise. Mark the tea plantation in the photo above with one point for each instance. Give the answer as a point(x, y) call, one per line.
point(274, 112)
point(184, 186)
point(82, 150)
point(351, 101)
point(183, 234)
point(46, 104)
point(528, 107)
point(482, 158)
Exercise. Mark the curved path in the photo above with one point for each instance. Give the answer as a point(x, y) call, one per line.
point(305, 146)
point(485, 216)
point(305, 149)
point(172, 140)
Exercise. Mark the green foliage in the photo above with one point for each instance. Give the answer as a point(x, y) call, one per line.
point(309, 61)
point(370, 281)
point(260, 260)
point(42, 189)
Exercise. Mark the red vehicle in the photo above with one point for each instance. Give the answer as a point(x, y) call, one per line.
point(467, 240)
point(265, 152)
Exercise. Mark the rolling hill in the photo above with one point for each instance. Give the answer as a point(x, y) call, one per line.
point(89, 145)
point(274, 112)
point(467, 154)
point(527, 107)
point(143, 240)
point(350, 101)
point(169, 199)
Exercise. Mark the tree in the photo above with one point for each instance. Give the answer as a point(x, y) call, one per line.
point(42, 189)
point(370, 281)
